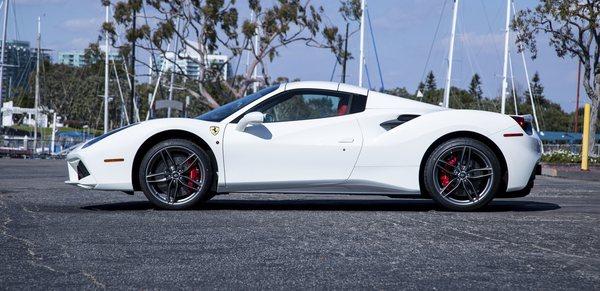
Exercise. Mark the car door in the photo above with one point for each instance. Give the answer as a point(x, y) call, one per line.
point(309, 138)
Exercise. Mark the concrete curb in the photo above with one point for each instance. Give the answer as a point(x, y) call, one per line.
point(571, 171)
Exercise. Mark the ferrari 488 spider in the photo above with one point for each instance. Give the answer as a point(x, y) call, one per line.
point(321, 138)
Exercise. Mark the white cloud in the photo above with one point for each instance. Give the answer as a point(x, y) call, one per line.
point(39, 2)
point(79, 42)
point(83, 24)
point(476, 43)
point(482, 40)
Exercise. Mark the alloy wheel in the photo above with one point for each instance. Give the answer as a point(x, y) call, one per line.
point(175, 175)
point(463, 175)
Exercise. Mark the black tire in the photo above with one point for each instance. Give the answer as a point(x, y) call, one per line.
point(187, 172)
point(460, 184)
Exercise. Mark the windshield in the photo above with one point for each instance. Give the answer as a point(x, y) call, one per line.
point(220, 113)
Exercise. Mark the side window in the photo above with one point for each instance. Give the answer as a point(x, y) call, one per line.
point(308, 105)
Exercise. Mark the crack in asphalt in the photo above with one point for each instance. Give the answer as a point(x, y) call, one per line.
point(29, 245)
point(538, 247)
point(94, 280)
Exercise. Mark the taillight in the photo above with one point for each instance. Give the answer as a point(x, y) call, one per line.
point(524, 124)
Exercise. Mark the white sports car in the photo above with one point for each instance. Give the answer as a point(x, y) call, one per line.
point(317, 137)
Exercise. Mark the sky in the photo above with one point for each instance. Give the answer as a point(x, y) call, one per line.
point(403, 31)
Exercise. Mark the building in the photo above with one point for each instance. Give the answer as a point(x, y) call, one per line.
point(20, 60)
point(189, 63)
point(73, 59)
point(76, 58)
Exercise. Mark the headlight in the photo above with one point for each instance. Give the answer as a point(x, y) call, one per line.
point(97, 139)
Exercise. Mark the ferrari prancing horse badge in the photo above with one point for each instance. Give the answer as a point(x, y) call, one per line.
point(214, 130)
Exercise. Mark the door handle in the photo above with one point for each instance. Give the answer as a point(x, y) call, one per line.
point(347, 140)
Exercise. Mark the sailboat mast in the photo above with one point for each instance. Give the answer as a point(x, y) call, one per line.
point(446, 102)
point(505, 67)
point(3, 48)
point(175, 59)
point(522, 52)
point(512, 82)
point(106, 72)
point(37, 84)
point(132, 75)
point(256, 36)
point(361, 59)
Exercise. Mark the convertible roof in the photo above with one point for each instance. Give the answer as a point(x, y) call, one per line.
point(326, 86)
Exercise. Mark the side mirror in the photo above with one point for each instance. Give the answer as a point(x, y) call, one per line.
point(250, 118)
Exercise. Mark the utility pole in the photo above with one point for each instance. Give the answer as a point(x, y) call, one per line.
point(37, 83)
point(361, 59)
point(3, 48)
point(576, 120)
point(505, 67)
point(106, 72)
point(132, 75)
point(446, 102)
point(175, 56)
point(345, 55)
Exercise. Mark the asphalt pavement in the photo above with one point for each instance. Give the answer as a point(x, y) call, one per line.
point(61, 237)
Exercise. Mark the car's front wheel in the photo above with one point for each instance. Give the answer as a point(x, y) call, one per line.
point(462, 174)
point(176, 174)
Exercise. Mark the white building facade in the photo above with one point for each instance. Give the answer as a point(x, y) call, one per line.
point(189, 63)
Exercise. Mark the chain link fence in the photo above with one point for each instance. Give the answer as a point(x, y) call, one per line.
point(22, 147)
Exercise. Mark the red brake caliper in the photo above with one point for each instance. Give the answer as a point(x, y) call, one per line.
point(194, 175)
point(444, 178)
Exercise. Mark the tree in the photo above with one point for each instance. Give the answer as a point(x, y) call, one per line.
point(475, 87)
point(430, 83)
point(538, 89)
point(550, 114)
point(73, 92)
point(574, 31)
point(202, 27)
point(400, 92)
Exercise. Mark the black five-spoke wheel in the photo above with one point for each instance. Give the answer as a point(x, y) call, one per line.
point(175, 174)
point(462, 174)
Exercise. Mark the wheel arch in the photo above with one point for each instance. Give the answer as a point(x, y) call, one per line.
point(165, 135)
point(465, 134)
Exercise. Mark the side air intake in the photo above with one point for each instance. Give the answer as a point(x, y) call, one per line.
point(398, 121)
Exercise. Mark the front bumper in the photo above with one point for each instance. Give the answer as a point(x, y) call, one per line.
point(88, 169)
point(79, 175)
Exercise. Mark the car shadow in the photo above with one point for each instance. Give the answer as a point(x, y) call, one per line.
point(411, 205)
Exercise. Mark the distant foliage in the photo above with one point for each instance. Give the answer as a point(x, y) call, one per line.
point(573, 30)
point(566, 157)
point(550, 114)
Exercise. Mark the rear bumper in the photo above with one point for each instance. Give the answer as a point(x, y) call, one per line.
point(525, 191)
point(522, 154)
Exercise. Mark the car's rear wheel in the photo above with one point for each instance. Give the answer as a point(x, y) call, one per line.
point(176, 174)
point(462, 174)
